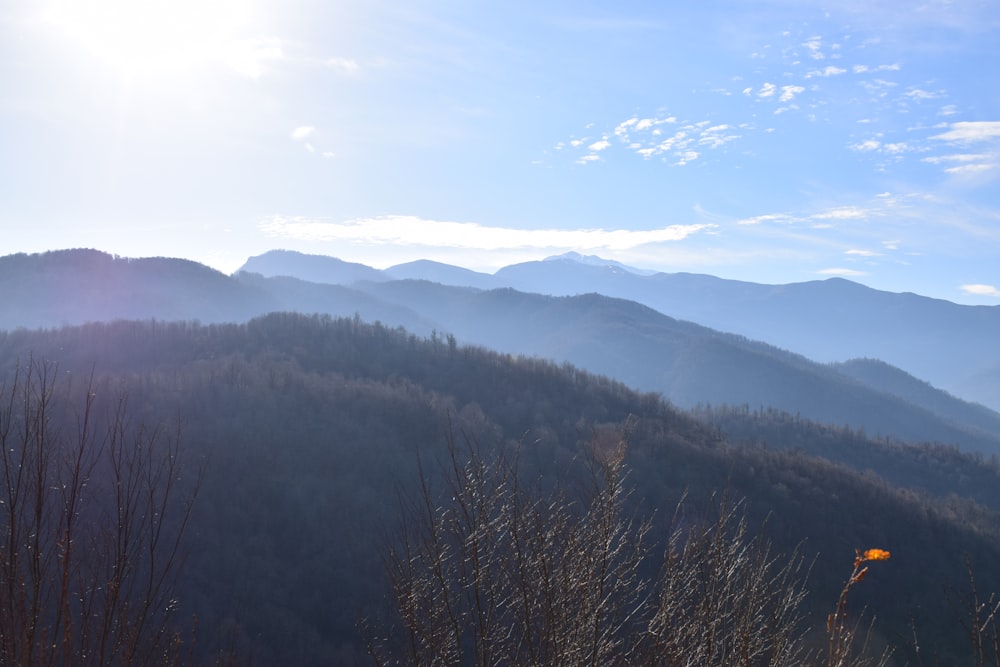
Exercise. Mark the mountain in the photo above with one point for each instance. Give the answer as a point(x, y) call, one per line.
point(950, 345)
point(685, 362)
point(688, 364)
point(437, 272)
point(891, 380)
point(312, 268)
point(829, 320)
point(594, 260)
point(76, 286)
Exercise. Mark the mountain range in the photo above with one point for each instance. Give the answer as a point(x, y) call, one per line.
point(308, 433)
point(689, 364)
point(952, 346)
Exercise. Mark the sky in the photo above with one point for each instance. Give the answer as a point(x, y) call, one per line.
point(773, 141)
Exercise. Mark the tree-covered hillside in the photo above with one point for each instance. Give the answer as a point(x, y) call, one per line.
point(310, 429)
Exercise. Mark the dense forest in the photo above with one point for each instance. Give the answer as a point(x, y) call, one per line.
point(303, 437)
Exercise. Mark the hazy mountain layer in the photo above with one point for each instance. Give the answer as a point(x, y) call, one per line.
point(686, 363)
point(952, 346)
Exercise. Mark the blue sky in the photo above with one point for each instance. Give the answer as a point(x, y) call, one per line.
point(774, 141)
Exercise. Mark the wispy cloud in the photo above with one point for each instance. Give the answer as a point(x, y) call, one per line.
point(841, 271)
point(664, 137)
point(348, 66)
point(982, 135)
point(788, 93)
point(826, 71)
point(407, 230)
point(814, 47)
point(251, 57)
point(716, 136)
point(303, 132)
point(981, 290)
point(842, 213)
point(971, 132)
point(864, 69)
point(769, 217)
point(920, 94)
point(867, 146)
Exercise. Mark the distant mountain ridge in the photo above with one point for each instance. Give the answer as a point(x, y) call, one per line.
point(687, 363)
point(951, 345)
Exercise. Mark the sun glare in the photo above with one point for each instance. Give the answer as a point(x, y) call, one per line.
point(153, 36)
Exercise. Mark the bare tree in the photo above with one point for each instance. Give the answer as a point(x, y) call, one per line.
point(91, 517)
point(500, 574)
point(725, 599)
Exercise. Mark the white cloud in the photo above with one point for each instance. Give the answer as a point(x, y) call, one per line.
point(826, 71)
point(837, 271)
point(981, 290)
point(878, 86)
point(585, 159)
point(767, 90)
point(770, 217)
point(623, 126)
point(970, 169)
point(962, 157)
point(788, 93)
point(842, 213)
point(414, 231)
point(814, 44)
point(885, 148)
point(920, 94)
point(971, 132)
point(867, 146)
point(303, 132)
point(684, 157)
point(347, 66)
point(716, 136)
point(857, 252)
point(862, 69)
point(250, 57)
point(646, 137)
point(964, 134)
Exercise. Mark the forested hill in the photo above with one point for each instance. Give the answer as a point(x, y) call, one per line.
point(309, 427)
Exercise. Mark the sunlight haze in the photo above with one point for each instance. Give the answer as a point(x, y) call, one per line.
point(768, 141)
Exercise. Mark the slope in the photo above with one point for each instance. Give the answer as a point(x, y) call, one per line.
point(687, 363)
point(307, 428)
